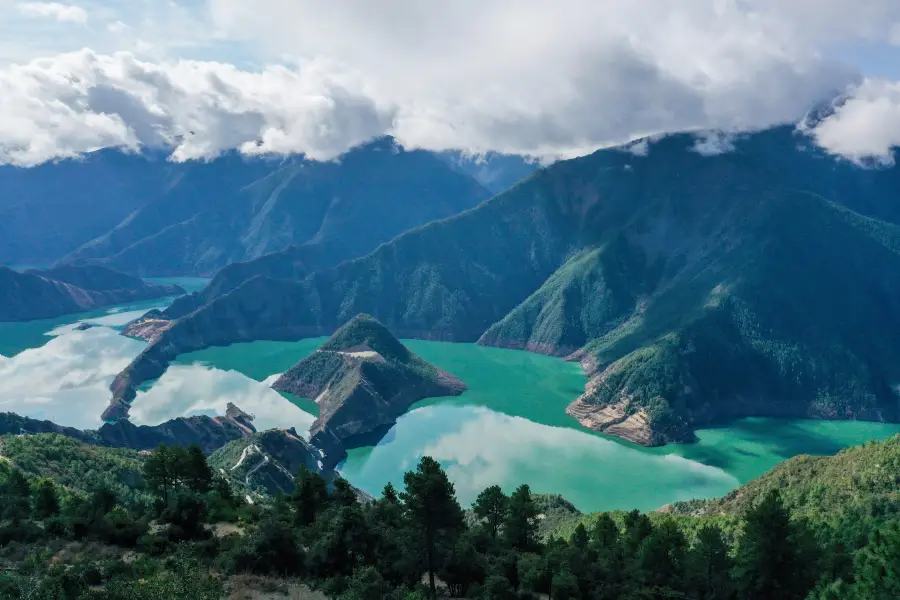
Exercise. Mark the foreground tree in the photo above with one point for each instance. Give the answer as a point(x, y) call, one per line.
point(773, 561)
point(520, 527)
point(433, 513)
point(490, 506)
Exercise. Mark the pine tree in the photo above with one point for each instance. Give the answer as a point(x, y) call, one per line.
point(310, 496)
point(771, 560)
point(161, 472)
point(520, 527)
point(490, 506)
point(432, 512)
point(198, 476)
point(710, 564)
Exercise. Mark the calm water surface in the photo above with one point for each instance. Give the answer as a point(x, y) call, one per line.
point(509, 428)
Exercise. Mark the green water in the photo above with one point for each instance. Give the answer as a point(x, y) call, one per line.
point(19, 336)
point(510, 427)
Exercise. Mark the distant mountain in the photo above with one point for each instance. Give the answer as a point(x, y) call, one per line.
point(363, 379)
point(143, 215)
point(497, 172)
point(46, 294)
point(695, 289)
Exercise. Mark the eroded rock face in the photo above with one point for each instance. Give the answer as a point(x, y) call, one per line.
point(149, 327)
point(363, 379)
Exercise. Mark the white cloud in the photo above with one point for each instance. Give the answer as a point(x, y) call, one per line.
point(866, 124)
point(54, 10)
point(521, 76)
point(72, 103)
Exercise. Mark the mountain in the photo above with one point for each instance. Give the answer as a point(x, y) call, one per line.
point(68, 289)
point(210, 433)
point(495, 171)
point(50, 210)
point(694, 288)
point(363, 379)
point(207, 215)
point(267, 462)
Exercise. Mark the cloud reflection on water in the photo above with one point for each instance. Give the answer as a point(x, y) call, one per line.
point(480, 447)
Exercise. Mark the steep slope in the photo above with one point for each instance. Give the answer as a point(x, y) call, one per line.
point(363, 379)
point(694, 288)
point(45, 294)
point(50, 210)
point(236, 209)
point(267, 462)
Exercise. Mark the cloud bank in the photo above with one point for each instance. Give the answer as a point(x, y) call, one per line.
point(516, 76)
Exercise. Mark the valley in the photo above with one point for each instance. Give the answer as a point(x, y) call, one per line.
point(509, 427)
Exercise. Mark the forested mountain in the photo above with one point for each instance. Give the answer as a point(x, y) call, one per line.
point(143, 215)
point(56, 292)
point(695, 288)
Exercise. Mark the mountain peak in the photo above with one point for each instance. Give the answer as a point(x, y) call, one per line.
point(364, 333)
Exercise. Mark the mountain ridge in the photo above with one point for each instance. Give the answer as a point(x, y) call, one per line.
point(638, 265)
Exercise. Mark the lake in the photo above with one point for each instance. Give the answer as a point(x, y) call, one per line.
point(509, 428)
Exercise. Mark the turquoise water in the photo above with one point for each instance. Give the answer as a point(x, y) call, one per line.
point(16, 337)
point(510, 427)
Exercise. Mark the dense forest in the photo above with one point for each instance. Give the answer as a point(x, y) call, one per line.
point(87, 523)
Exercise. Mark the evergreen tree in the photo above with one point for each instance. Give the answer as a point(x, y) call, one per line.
point(342, 493)
point(660, 558)
point(771, 561)
point(710, 564)
point(432, 512)
point(161, 470)
point(579, 538)
point(490, 506)
point(637, 528)
point(520, 526)
point(463, 567)
point(198, 476)
point(310, 496)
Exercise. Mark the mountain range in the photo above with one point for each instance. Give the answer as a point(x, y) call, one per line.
point(694, 288)
point(144, 215)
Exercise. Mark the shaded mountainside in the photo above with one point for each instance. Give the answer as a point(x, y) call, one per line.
point(267, 462)
point(56, 292)
point(695, 289)
point(208, 215)
point(209, 433)
point(363, 378)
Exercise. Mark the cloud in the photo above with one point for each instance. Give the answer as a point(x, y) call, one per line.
point(73, 103)
point(866, 124)
point(54, 10)
point(516, 76)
